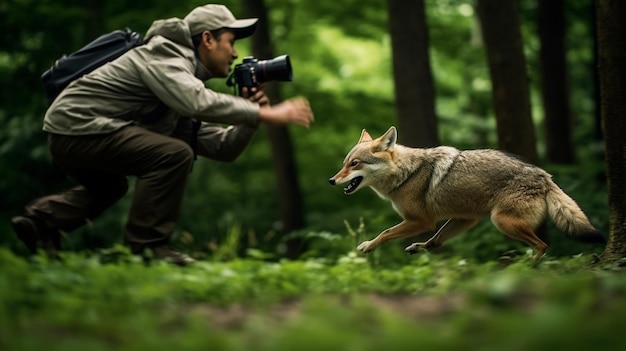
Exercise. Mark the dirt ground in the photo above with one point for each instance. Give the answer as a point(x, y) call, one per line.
point(411, 307)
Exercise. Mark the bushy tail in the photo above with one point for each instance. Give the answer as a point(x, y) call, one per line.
point(569, 218)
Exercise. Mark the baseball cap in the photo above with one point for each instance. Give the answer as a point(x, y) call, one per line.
point(212, 17)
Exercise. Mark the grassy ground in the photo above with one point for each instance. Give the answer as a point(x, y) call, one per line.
point(113, 300)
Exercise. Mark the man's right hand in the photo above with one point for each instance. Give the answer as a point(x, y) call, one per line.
point(292, 111)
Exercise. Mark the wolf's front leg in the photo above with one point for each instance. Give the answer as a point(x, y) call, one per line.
point(451, 228)
point(415, 248)
point(400, 230)
point(366, 246)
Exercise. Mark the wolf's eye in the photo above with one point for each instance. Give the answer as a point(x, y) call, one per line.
point(354, 163)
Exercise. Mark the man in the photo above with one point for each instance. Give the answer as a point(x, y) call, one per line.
point(135, 117)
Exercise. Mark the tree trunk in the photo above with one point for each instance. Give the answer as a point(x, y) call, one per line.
point(597, 114)
point(507, 67)
point(414, 89)
point(554, 82)
point(289, 196)
point(611, 31)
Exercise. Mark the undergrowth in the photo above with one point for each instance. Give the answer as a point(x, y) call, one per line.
point(114, 300)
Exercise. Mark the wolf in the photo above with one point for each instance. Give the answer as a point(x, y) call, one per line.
point(427, 185)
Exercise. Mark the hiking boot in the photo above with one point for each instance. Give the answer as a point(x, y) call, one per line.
point(170, 255)
point(35, 234)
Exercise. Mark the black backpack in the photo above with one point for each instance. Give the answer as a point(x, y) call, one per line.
point(105, 48)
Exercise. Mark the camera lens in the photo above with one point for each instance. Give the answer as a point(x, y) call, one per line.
point(278, 68)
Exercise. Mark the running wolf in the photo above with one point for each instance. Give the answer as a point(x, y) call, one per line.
point(433, 184)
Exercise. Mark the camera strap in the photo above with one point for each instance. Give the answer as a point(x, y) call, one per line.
point(231, 81)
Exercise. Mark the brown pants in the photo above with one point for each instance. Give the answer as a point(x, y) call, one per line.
point(101, 164)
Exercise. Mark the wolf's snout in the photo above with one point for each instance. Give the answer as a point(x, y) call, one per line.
point(332, 181)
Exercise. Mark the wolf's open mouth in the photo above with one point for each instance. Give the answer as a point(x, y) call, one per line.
point(354, 183)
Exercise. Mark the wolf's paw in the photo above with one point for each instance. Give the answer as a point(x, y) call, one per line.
point(414, 248)
point(365, 246)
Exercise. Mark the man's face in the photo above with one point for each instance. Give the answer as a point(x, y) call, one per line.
point(220, 53)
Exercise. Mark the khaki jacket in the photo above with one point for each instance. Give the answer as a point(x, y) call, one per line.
point(159, 86)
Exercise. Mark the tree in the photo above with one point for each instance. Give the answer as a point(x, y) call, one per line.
point(554, 82)
point(611, 31)
point(290, 198)
point(414, 89)
point(501, 34)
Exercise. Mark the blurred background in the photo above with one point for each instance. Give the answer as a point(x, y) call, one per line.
point(445, 72)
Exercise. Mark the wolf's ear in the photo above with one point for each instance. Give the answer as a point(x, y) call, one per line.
point(388, 140)
point(365, 136)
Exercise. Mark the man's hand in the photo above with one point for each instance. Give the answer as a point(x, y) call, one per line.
point(295, 110)
point(255, 94)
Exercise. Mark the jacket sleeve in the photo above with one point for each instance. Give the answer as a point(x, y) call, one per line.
point(171, 78)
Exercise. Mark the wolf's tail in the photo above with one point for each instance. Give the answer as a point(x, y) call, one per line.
point(569, 218)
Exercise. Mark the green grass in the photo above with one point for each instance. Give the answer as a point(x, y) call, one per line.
point(113, 300)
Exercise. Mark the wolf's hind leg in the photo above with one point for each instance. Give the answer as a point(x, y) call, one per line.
point(451, 228)
point(518, 228)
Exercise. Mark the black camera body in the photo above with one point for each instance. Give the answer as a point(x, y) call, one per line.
point(252, 72)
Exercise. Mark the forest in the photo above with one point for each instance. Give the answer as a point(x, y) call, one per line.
point(277, 265)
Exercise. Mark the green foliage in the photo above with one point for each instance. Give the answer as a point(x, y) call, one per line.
point(114, 300)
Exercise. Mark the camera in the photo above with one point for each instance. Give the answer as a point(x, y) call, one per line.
point(252, 72)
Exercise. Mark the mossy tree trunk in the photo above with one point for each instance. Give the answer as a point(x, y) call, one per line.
point(555, 82)
point(287, 185)
point(611, 31)
point(501, 32)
